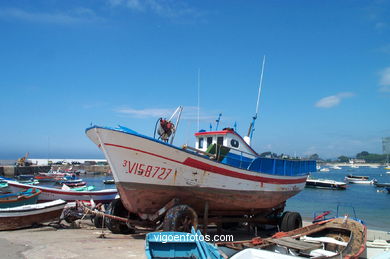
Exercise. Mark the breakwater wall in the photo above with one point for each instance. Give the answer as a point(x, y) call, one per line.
point(11, 171)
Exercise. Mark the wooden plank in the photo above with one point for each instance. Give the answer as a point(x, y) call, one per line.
point(295, 244)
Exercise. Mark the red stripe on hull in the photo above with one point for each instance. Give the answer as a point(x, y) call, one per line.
point(218, 170)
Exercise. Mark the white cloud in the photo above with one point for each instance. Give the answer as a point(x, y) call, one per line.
point(165, 8)
point(333, 100)
point(148, 112)
point(189, 113)
point(385, 77)
point(75, 16)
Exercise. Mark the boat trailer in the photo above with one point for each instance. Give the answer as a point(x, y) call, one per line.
point(179, 217)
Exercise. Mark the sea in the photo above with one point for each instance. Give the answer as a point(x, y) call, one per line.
point(367, 202)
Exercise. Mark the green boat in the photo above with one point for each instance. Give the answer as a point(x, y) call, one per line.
point(3, 184)
point(84, 188)
point(26, 197)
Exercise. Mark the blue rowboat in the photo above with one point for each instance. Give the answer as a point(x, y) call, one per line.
point(26, 197)
point(179, 245)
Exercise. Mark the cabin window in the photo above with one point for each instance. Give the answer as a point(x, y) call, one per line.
point(220, 141)
point(200, 143)
point(234, 143)
point(209, 141)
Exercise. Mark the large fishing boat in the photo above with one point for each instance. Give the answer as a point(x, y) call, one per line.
point(222, 170)
point(221, 175)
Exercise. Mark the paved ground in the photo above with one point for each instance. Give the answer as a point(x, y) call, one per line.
point(48, 242)
point(85, 242)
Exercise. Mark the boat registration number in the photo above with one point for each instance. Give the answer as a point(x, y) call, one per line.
point(146, 170)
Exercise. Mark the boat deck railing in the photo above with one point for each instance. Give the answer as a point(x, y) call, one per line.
point(275, 166)
point(251, 162)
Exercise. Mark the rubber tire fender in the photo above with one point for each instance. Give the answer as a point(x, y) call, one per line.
point(116, 208)
point(174, 217)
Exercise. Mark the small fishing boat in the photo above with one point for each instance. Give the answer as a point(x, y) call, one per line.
point(74, 185)
point(325, 169)
point(46, 178)
point(3, 184)
point(334, 238)
point(109, 181)
point(4, 187)
point(79, 189)
point(360, 177)
point(382, 184)
point(27, 196)
point(359, 181)
point(50, 194)
point(69, 181)
point(325, 184)
point(24, 177)
point(336, 167)
point(30, 182)
point(29, 215)
point(179, 245)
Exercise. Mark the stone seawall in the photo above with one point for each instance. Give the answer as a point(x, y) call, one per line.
point(11, 171)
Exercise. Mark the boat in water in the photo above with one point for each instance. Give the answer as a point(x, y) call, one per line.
point(28, 215)
point(382, 185)
point(359, 180)
point(325, 184)
point(222, 172)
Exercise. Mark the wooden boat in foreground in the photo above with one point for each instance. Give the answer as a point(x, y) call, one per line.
point(28, 195)
point(334, 238)
point(29, 215)
point(50, 194)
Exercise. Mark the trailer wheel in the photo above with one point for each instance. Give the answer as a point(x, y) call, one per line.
point(180, 218)
point(290, 221)
point(116, 208)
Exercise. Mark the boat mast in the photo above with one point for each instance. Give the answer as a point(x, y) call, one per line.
point(217, 121)
point(252, 125)
point(198, 96)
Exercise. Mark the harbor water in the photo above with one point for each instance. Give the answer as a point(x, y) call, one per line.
point(372, 204)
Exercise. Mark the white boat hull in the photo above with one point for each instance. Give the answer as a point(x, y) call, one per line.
point(149, 173)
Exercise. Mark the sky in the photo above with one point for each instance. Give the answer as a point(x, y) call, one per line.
point(65, 65)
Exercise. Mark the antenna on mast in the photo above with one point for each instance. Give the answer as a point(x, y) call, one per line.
point(217, 121)
point(198, 95)
point(252, 125)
